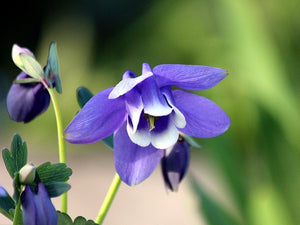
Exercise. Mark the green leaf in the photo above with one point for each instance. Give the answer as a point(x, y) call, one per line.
point(6, 204)
point(109, 141)
point(215, 213)
point(82, 221)
point(65, 219)
point(51, 173)
point(57, 189)
point(54, 176)
point(16, 158)
point(53, 64)
point(31, 66)
point(83, 96)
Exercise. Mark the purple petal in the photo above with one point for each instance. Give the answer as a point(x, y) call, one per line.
point(204, 118)
point(165, 133)
point(134, 163)
point(28, 206)
point(190, 77)
point(49, 212)
point(154, 102)
point(146, 68)
point(26, 101)
point(179, 119)
point(3, 192)
point(99, 118)
point(134, 107)
point(127, 84)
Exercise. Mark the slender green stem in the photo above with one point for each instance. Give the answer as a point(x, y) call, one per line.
point(61, 143)
point(108, 199)
point(18, 214)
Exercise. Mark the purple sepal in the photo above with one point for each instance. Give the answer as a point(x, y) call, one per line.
point(134, 163)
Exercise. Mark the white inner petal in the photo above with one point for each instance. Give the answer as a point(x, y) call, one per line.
point(140, 137)
point(167, 137)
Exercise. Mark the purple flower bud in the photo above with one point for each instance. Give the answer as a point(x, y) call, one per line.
point(26, 101)
point(37, 207)
point(175, 163)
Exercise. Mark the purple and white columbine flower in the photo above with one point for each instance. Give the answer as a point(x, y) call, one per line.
point(146, 115)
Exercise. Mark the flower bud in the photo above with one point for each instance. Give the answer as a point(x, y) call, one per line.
point(175, 163)
point(15, 53)
point(26, 101)
point(27, 174)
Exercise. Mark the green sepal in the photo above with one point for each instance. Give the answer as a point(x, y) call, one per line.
point(16, 158)
point(57, 188)
point(83, 96)
point(52, 67)
point(6, 205)
point(31, 66)
point(26, 81)
point(65, 219)
point(50, 173)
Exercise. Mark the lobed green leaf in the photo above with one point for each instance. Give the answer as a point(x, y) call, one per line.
point(16, 158)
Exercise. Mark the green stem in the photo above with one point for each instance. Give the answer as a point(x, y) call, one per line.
point(18, 214)
point(61, 143)
point(108, 199)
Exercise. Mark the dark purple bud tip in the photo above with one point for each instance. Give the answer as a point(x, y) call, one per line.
point(26, 101)
point(175, 163)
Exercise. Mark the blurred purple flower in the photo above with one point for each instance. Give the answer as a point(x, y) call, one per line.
point(37, 207)
point(146, 115)
point(175, 163)
point(26, 101)
point(3, 192)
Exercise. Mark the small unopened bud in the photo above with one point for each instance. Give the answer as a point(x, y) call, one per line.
point(27, 174)
point(175, 163)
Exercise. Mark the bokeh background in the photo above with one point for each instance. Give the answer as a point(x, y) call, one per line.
point(249, 175)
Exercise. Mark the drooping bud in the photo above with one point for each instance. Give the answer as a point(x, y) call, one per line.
point(26, 101)
point(175, 163)
point(27, 174)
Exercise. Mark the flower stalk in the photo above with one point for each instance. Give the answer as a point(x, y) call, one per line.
point(108, 199)
point(61, 144)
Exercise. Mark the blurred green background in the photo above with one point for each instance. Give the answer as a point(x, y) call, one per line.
point(257, 41)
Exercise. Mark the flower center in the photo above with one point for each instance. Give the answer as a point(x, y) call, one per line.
point(151, 120)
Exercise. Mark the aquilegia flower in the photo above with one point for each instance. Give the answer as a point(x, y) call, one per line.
point(28, 96)
point(175, 163)
point(37, 207)
point(146, 115)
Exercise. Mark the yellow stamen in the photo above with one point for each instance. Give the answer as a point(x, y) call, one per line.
point(151, 122)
